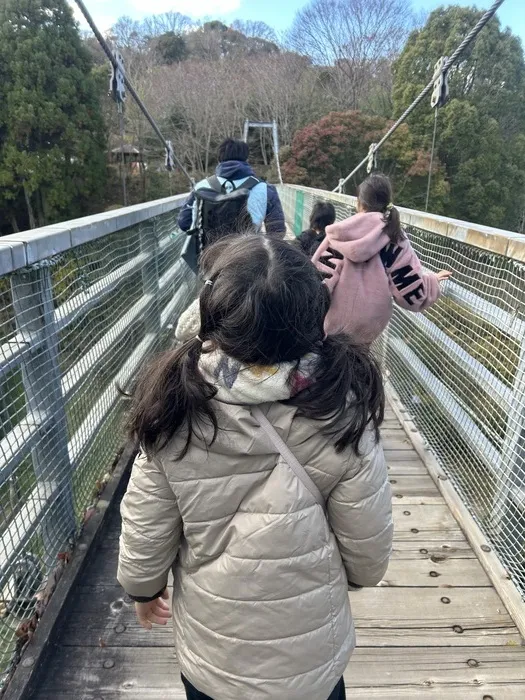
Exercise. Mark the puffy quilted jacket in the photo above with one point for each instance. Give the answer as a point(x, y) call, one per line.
point(260, 602)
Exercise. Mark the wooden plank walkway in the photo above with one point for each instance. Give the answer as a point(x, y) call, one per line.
point(435, 628)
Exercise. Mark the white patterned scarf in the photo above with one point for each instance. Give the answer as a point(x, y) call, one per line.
point(255, 384)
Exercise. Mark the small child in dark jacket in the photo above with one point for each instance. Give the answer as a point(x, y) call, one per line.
point(323, 215)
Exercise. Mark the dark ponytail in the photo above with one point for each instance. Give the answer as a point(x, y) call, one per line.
point(393, 225)
point(347, 391)
point(171, 393)
point(375, 194)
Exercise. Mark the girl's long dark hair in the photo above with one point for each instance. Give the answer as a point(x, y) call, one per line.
point(265, 305)
point(375, 194)
point(323, 215)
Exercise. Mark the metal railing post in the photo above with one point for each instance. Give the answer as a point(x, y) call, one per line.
point(512, 452)
point(149, 244)
point(32, 292)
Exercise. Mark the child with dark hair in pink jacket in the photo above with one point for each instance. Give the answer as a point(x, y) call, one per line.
point(368, 262)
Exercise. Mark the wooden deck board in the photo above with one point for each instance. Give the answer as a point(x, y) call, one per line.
point(394, 673)
point(392, 617)
point(419, 485)
point(434, 628)
point(448, 573)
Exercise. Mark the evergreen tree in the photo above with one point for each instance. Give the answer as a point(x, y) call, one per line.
point(171, 48)
point(52, 144)
point(481, 131)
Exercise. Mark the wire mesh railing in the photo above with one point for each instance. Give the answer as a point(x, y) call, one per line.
point(459, 369)
point(73, 326)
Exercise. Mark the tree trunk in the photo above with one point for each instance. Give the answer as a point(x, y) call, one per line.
point(14, 223)
point(30, 212)
point(40, 208)
point(207, 156)
point(143, 176)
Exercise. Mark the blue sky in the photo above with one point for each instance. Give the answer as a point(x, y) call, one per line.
point(277, 13)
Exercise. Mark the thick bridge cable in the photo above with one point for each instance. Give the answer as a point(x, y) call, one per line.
point(107, 50)
point(426, 90)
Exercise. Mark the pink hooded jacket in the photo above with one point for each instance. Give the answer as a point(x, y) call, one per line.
point(372, 272)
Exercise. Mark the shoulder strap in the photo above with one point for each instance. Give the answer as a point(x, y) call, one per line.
point(214, 183)
point(288, 455)
point(250, 183)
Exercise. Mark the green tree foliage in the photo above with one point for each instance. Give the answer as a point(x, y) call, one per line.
point(329, 149)
point(171, 48)
point(52, 142)
point(214, 41)
point(481, 131)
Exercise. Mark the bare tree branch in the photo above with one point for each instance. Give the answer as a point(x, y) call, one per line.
point(353, 37)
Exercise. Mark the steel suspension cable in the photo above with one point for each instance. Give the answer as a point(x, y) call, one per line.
point(450, 61)
point(107, 50)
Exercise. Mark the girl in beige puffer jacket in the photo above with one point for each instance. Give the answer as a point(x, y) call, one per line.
point(261, 571)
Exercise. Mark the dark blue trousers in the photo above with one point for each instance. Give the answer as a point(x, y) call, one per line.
point(192, 693)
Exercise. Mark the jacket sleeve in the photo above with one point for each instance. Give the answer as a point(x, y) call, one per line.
point(360, 513)
point(328, 265)
point(186, 214)
point(274, 221)
point(189, 322)
point(151, 531)
point(411, 288)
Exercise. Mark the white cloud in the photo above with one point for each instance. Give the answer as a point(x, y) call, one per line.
point(96, 10)
point(193, 8)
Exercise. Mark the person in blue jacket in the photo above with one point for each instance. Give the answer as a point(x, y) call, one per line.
point(264, 205)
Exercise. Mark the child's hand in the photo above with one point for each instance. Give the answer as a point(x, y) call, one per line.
point(156, 612)
point(443, 275)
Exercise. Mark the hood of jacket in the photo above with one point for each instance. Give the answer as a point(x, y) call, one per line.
point(360, 237)
point(241, 384)
point(234, 170)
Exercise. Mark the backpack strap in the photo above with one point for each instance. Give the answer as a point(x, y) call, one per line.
point(214, 183)
point(250, 183)
point(288, 456)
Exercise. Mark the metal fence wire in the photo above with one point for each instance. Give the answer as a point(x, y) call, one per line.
point(459, 370)
point(72, 328)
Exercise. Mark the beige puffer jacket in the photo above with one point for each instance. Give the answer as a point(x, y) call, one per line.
point(260, 603)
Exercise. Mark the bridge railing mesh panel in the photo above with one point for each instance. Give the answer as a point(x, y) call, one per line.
point(459, 370)
point(72, 328)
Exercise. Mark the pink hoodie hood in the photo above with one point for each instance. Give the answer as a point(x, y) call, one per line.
point(360, 237)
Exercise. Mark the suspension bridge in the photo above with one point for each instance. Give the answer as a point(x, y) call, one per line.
point(84, 303)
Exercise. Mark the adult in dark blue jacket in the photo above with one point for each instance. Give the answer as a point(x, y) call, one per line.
point(264, 205)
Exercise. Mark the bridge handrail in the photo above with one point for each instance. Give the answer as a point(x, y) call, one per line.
point(18, 250)
point(489, 238)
